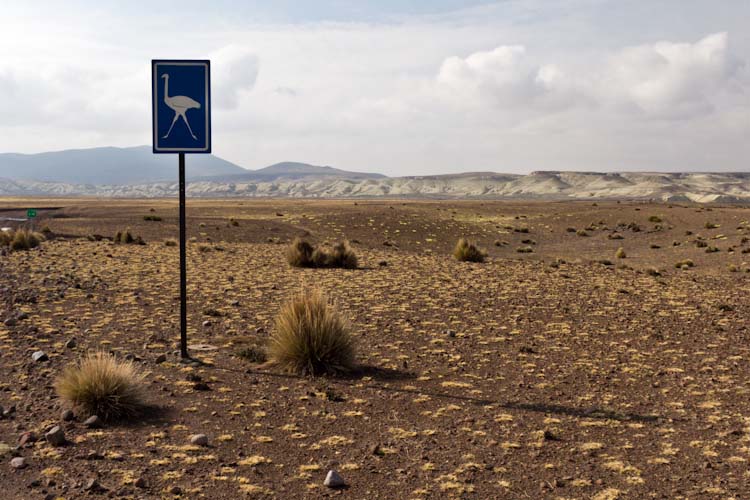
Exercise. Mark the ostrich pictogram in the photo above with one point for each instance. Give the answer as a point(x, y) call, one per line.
point(179, 104)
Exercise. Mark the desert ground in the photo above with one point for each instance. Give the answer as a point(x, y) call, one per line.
point(559, 371)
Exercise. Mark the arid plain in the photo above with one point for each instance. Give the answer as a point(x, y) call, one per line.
point(559, 368)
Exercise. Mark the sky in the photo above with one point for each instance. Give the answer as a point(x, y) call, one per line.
point(396, 87)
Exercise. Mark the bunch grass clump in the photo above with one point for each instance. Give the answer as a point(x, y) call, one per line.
point(465, 251)
point(302, 254)
point(310, 337)
point(100, 384)
point(22, 239)
point(127, 238)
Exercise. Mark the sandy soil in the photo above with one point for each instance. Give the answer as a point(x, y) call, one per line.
point(560, 373)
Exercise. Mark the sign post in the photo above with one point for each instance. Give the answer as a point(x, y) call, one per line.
point(31, 213)
point(181, 118)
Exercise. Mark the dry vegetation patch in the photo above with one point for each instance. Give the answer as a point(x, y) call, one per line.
point(310, 337)
point(100, 384)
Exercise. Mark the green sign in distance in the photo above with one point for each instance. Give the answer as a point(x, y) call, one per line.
point(31, 213)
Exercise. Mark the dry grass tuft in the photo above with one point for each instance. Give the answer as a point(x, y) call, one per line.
point(100, 384)
point(299, 253)
point(466, 251)
point(127, 238)
point(620, 253)
point(23, 239)
point(302, 254)
point(310, 337)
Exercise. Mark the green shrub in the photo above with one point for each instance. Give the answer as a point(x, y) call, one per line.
point(310, 337)
point(466, 251)
point(154, 218)
point(654, 218)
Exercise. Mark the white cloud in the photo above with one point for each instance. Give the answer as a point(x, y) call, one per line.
point(672, 80)
point(514, 86)
point(662, 80)
point(235, 71)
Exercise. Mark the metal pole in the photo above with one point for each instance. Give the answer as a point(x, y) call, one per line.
point(183, 265)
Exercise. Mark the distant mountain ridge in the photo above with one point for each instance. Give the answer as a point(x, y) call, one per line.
point(107, 165)
point(673, 187)
point(136, 172)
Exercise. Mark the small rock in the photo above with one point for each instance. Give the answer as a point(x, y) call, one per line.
point(175, 490)
point(93, 422)
point(206, 323)
point(451, 333)
point(8, 412)
point(70, 344)
point(94, 455)
point(2, 410)
point(22, 316)
point(18, 463)
point(26, 438)
point(55, 436)
point(334, 480)
point(201, 386)
point(141, 483)
point(67, 415)
point(199, 439)
point(10, 322)
point(93, 485)
point(161, 358)
point(39, 356)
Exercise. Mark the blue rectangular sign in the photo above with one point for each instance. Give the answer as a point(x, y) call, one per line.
point(181, 106)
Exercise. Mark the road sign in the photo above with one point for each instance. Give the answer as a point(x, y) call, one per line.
point(181, 106)
point(31, 213)
point(181, 117)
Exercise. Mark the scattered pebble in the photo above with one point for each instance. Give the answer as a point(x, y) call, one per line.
point(199, 439)
point(26, 438)
point(39, 356)
point(94, 485)
point(161, 358)
point(71, 344)
point(141, 483)
point(18, 463)
point(93, 422)
point(334, 480)
point(67, 415)
point(55, 436)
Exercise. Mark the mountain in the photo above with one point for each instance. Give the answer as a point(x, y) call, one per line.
point(108, 166)
point(136, 172)
point(670, 187)
point(292, 170)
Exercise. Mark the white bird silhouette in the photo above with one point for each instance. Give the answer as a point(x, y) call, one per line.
point(179, 104)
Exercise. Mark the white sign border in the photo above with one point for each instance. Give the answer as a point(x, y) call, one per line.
point(155, 115)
